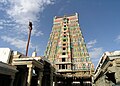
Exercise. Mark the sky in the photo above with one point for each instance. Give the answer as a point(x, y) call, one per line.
point(99, 21)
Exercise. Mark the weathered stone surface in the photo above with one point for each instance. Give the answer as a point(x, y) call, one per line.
point(107, 72)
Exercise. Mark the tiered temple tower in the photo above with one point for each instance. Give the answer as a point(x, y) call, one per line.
point(66, 49)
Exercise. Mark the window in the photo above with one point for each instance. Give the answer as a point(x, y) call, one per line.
point(64, 35)
point(64, 44)
point(64, 32)
point(67, 20)
point(59, 66)
point(64, 40)
point(63, 59)
point(87, 59)
point(64, 18)
point(63, 66)
point(64, 25)
point(64, 48)
point(83, 66)
point(65, 28)
point(63, 53)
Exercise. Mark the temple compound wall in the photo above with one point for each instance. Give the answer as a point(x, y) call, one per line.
point(107, 72)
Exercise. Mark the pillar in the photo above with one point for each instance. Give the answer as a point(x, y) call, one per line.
point(81, 81)
point(51, 76)
point(51, 79)
point(12, 80)
point(55, 81)
point(40, 75)
point(117, 76)
point(24, 78)
point(92, 81)
point(60, 66)
point(30, 71)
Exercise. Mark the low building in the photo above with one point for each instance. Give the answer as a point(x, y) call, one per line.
point(16, 69)
point(7, 72)
point(107, 72)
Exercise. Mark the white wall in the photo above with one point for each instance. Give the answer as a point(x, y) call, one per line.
point(5, 54)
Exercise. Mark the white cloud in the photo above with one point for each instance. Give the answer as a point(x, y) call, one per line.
point(37, 33)
point(1, 22)
point(18, 43)
point(6, 23)
point(3, 1)
point(118, 38)
point(22, 11)
point(90, 44)
point(1, 27)
point(96, 52)
point(17, 14)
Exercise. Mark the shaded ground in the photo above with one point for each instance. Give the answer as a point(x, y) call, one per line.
point(75, 84)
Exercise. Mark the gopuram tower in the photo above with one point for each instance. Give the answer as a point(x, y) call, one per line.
point(67, 52)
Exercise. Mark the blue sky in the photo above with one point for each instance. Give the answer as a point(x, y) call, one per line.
point(99, 21)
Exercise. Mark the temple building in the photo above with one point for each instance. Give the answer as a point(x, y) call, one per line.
point(107, 72)
point(66, 49)
point(16, 69)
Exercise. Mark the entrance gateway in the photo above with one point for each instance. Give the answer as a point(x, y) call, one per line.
point(67, 52)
